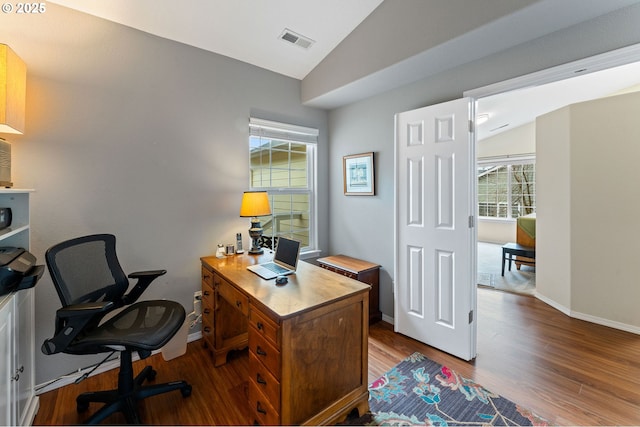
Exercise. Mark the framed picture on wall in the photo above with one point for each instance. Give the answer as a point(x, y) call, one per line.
point(357, 172)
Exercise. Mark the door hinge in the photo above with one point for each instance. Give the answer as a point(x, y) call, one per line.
point(471, 221)
point(471, 126)
point(471, 317)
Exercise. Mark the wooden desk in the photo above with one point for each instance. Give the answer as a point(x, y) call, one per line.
point(362, 271)
point(308, 339)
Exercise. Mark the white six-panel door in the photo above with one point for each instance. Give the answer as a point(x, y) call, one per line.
point(435, 265)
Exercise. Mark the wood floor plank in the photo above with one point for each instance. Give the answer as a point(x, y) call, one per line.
point(568, 371)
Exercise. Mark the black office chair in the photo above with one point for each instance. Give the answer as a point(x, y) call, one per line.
point(91, 284)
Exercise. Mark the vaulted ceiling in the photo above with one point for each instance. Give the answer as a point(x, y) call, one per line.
point(247, 30)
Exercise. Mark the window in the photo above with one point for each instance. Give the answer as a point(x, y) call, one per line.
point(506, 189)
point(283, 163)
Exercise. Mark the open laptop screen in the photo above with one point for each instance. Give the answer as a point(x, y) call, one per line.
point(287, 252)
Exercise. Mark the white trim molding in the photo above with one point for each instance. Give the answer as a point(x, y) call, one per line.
point(606, 322)
point(588, 317)
point(614, 58)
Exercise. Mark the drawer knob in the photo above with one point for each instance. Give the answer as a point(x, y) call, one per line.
point(260, 409)
point(206, 293)
point(260, 351)
point(207, 311)
point(207, 329)
point(260, 380)
point(238, 304)
point(260, 326)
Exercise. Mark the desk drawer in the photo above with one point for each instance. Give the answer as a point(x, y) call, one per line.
point(207, 302)
point(264, 381)
point(207, 313)
point(264, 326)
point(340, 271)
point(207, 277)
point(265, 352)
point(207, 307)
point(263, 412)
point(207, 331)
point(236, 298)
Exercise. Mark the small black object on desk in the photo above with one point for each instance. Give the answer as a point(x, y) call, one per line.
point(281, 280)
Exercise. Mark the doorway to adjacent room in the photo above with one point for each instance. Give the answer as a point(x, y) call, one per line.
point(509, 110)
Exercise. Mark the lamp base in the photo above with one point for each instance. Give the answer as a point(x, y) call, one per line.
point(255, 232)
point(257, 251)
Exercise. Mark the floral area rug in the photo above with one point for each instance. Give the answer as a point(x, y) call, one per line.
point(419, 391)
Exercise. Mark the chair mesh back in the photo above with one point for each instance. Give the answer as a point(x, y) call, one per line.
point(87, 270)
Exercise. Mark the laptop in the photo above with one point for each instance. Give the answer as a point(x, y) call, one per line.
point(284, 261)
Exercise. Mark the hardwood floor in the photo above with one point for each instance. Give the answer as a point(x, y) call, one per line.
point(566, 370)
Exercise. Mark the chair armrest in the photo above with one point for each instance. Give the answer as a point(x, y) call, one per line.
point(71, 321)
point(144, 279)
point(85, 309)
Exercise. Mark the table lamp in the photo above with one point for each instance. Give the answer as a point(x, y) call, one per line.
point(13, 83)
point(255, 204)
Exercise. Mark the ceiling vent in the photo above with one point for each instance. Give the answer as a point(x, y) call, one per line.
point(297, 39)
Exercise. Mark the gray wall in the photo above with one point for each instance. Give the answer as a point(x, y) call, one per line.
point(135, 135)
point(363, 226)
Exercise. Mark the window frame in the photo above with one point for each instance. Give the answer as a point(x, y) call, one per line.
point(507, 161)
point(297, 134)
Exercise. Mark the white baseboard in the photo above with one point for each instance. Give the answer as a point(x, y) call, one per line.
point(606, 322)
point(31, 411)
point(107, 366)
point(574, 314)
point(588, 317)
point(553, 304)
point(387, 319)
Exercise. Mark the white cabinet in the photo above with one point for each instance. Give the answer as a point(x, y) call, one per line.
point(18, 402)
point(6, 360)
point(24, 374)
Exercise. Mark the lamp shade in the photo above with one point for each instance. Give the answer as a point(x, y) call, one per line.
point(13, 89)
point(255, 203)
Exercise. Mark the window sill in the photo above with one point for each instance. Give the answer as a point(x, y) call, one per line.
point(497, 220)
point(311, 253)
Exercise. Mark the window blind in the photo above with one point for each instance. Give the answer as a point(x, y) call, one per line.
point(282, 131)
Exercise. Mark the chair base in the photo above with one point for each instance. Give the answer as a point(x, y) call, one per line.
point(130, 391)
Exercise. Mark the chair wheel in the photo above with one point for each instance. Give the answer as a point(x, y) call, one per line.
point(82, 407)
point(186, 391)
